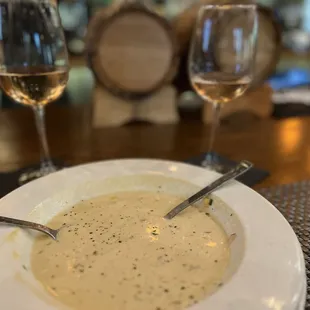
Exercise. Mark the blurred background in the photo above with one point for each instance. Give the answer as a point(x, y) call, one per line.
point(289, 79)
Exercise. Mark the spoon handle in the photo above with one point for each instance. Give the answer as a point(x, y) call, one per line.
point(28, 225)
point(243, 167)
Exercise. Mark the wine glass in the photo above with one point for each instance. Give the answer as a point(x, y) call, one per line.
point(33, 63)
point(221, 59)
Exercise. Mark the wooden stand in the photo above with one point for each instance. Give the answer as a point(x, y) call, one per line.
point(112, 111)
point(257, 102)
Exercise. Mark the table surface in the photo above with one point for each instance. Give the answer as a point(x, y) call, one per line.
point(280, 146)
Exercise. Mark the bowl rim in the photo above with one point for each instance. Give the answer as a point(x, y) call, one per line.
point(272, 272)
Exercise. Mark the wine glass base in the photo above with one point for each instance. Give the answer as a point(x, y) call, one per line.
point(34, 174)
point(212, 162)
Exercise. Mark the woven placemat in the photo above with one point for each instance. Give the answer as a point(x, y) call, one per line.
point(293, 201)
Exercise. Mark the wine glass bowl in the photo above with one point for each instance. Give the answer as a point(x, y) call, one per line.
point(33, 63)
point(221, 59)
point(34, 86)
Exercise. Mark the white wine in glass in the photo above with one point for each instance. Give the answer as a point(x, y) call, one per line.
point(33, 63)
point(222, 88)
point(34, 86)
point(221, 60)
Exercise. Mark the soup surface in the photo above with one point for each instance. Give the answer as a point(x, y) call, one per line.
point(119, 253)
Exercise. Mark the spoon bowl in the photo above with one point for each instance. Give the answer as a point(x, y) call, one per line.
point(52, 233)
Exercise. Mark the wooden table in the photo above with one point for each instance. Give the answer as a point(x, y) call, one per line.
point(280, 146)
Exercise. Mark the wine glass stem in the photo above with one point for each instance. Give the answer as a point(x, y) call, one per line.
point(214, 126)
point(46, 163)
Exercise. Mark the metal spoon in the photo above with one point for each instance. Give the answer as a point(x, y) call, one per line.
point(240, 169)
point(53, 233)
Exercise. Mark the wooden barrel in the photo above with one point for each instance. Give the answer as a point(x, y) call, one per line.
point(268, 46)
point(131, 50)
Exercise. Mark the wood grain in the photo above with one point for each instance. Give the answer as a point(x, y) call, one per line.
point(132, 51)
point(280, 146)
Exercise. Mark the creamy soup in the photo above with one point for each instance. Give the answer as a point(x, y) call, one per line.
point(119, 253)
